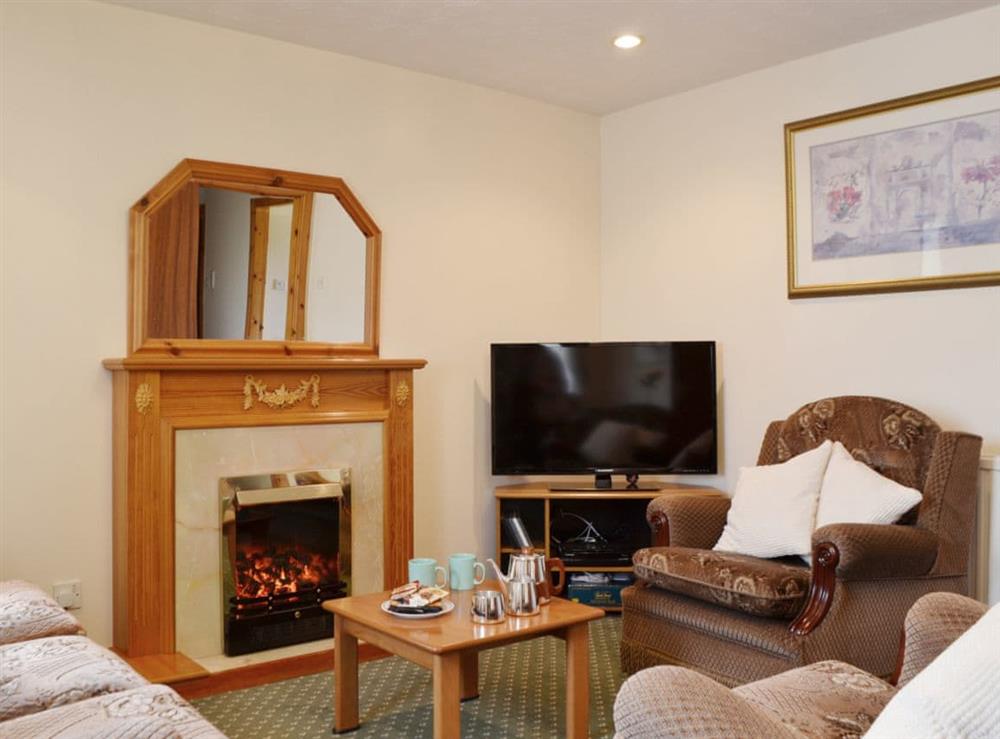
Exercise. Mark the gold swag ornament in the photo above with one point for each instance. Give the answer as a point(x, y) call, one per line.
point(280, 397)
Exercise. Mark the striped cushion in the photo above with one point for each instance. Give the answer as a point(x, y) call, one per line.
point(853, 492)
point(774, 507)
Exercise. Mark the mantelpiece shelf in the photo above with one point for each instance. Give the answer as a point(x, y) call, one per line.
point(138, 362)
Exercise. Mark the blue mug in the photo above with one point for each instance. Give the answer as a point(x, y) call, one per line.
point(425, 570)
point(463, 571)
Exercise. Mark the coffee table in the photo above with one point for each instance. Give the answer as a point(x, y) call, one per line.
point(449, 646)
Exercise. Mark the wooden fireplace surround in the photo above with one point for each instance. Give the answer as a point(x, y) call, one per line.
point(153, 399)
point(163, 386)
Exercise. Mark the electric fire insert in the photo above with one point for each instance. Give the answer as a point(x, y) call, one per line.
point(286, 547)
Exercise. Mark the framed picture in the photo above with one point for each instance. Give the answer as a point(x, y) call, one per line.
point(900, 195)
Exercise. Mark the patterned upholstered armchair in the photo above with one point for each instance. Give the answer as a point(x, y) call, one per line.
point(824, 700)
point(738, 619)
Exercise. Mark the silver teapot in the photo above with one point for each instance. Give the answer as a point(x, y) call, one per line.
point(531, 568)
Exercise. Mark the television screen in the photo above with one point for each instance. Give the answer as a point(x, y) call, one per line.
point(605, 407)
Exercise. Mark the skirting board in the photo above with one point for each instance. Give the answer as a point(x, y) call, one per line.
point(266, 672)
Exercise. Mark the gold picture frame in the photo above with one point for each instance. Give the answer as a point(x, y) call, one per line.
point(837, 142)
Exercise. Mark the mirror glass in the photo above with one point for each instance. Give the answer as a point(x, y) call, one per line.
point(244, 252)
point(240, 265)
point(336, 270)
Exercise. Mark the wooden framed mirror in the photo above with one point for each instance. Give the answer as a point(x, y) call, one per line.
point(234, 260)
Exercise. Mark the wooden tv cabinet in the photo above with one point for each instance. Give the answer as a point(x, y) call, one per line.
point(539, 503)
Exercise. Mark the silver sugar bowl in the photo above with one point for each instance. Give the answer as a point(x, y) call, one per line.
point(487, 607)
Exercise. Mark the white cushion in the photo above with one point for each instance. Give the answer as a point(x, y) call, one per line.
point(853, 492)
point(955, 695)
point(774, 506)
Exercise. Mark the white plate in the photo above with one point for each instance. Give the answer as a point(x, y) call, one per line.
point(446, 607)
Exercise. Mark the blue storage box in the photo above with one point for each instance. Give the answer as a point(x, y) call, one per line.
point(605, 594)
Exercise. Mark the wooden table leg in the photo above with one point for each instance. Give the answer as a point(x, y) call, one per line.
point(470, 675)
point(345, 678)
point(577, 682)
point(447, 690)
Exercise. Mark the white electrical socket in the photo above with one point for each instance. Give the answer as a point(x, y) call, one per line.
point(68, 594)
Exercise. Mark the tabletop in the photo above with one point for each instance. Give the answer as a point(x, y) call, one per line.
point(455, 630)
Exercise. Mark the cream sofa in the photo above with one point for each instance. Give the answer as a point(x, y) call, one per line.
point(55, 682)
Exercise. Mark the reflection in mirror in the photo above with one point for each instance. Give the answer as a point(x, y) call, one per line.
point(284, 264)
point(336, 275)
point(224, 237)
point(244, 248)
point(247, 266)
point(270, 252)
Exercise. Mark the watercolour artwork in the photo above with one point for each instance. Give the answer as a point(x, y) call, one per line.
point(933, 186)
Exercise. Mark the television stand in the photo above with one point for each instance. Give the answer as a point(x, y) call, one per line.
point(602, 481)
point(618, 513)
point(585, 487)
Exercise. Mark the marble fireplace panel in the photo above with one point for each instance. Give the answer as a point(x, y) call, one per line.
point(204, 456)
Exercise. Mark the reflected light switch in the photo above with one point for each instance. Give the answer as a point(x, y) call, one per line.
point(277, 284)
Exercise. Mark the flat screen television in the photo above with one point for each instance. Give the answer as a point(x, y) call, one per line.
point(604, 408)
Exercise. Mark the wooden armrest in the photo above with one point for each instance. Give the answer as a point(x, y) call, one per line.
point(861, 551)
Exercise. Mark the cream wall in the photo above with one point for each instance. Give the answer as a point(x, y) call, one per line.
point(502, 219)
point(488, 203)
point(693, 245)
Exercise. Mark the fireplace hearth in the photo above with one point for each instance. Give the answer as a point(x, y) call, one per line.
point(286, 547)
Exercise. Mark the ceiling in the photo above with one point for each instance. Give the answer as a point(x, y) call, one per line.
point(560, 51)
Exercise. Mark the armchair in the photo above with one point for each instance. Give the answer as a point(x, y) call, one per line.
point(824, 700)
point(738, 619)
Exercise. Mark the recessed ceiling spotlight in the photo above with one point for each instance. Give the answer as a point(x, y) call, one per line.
point(627, 41)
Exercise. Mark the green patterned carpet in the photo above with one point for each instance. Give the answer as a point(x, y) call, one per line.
point(522, 694)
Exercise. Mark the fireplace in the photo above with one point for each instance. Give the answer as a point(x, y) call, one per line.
point(286, 547)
